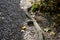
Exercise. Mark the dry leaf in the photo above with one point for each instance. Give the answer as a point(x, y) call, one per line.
point(52, 33)
point(24, 27)
point(59, 36)
point(58, 14)
point(46, 29)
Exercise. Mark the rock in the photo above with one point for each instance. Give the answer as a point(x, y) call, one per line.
point(25, 4)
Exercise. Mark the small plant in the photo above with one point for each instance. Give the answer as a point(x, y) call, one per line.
point(48, 7)
point(35, 6)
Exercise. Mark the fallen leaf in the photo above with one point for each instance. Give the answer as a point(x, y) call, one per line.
point(58, 14)
point(46, 29)
point(24, 27)
point(52, 33)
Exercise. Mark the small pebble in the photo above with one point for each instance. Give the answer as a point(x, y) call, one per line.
point(22, 30)
point(2, 17)
point(22, 7)
point(21, 1)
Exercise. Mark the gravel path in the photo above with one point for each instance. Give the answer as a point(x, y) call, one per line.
point(11, 18)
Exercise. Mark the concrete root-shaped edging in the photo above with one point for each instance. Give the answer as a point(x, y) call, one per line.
point(25, 4)
point(38, 29)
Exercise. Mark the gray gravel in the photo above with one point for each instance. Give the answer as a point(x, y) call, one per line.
point(11, 18)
